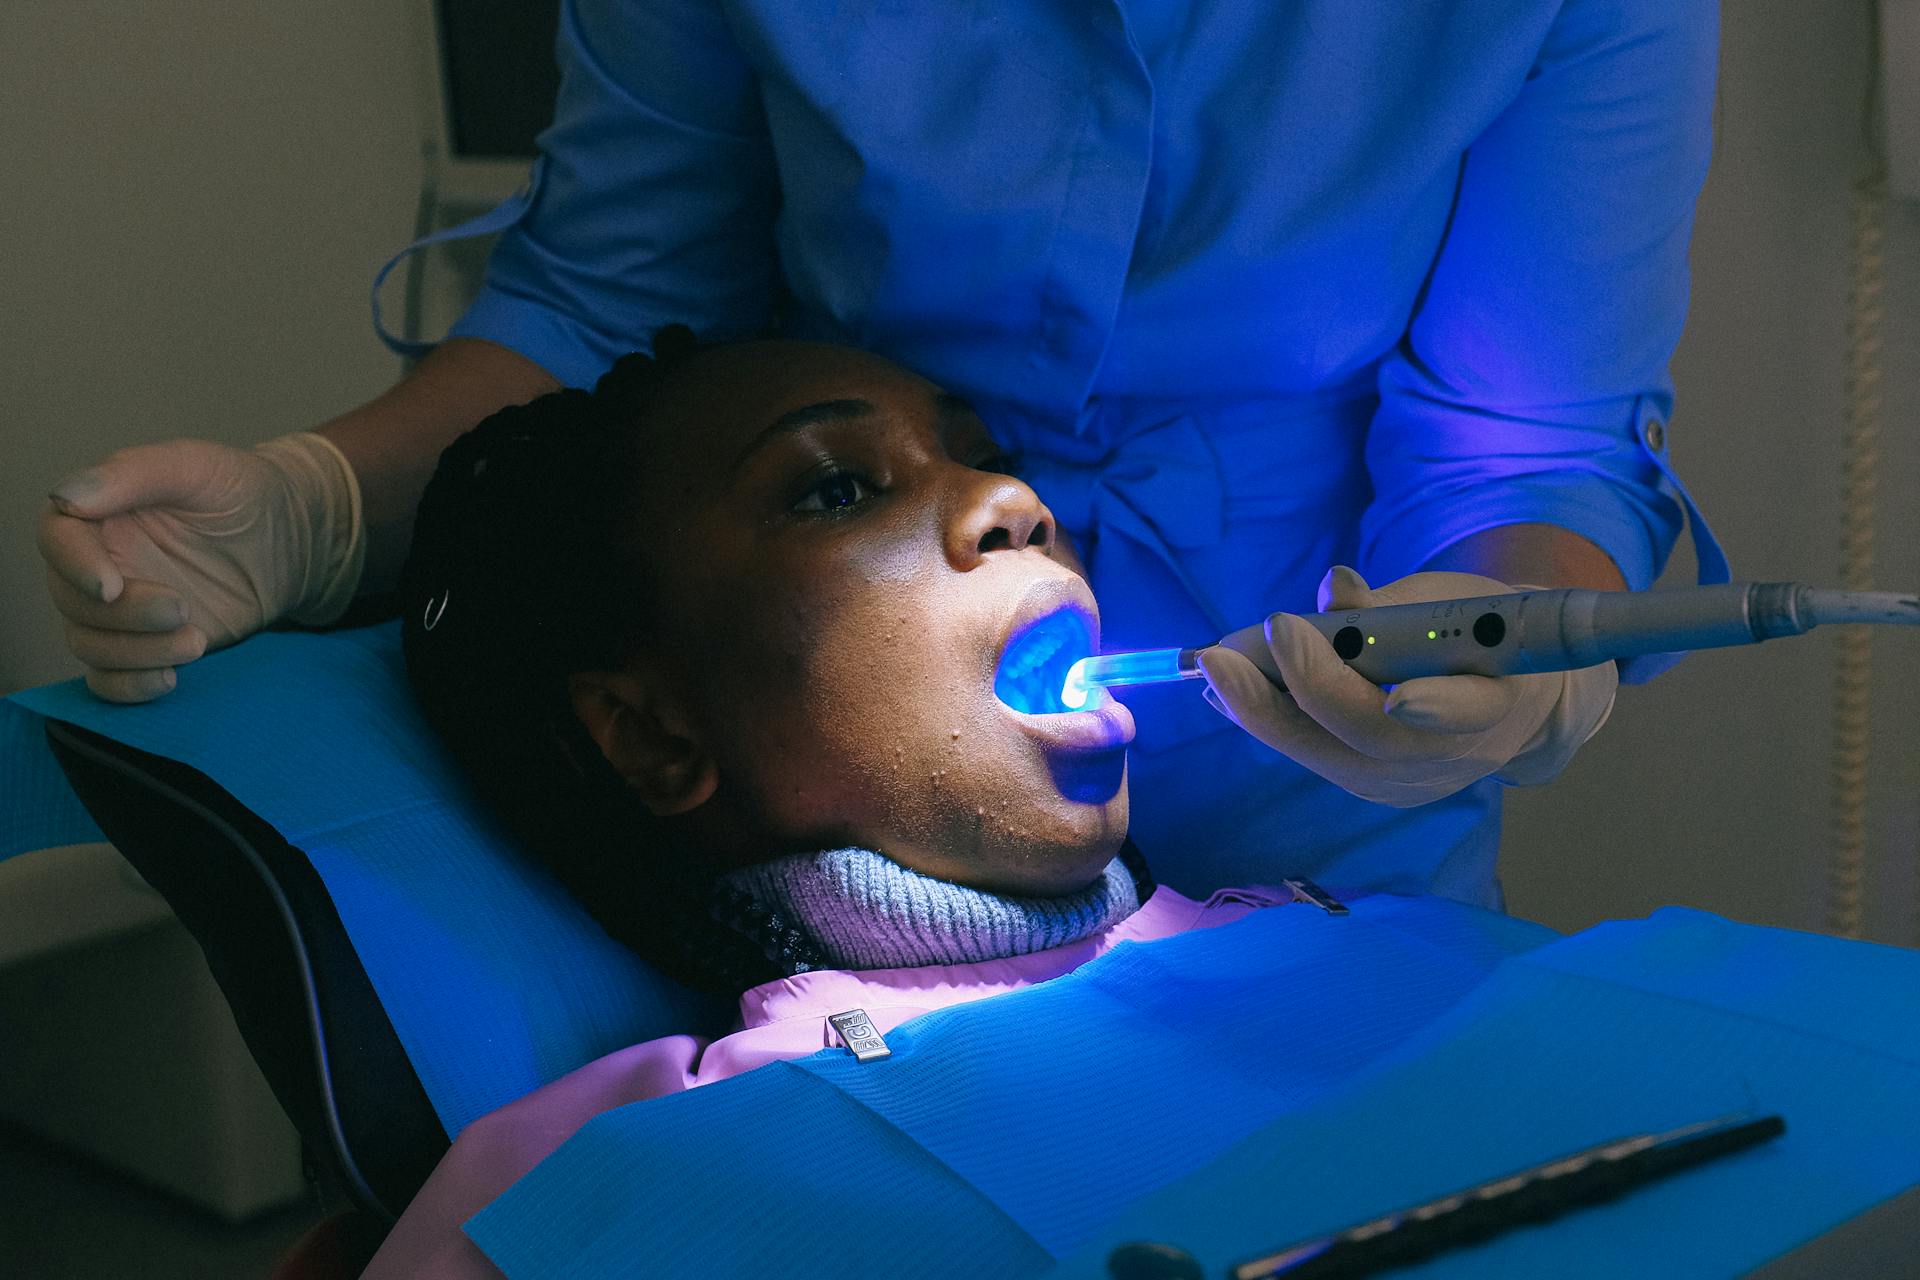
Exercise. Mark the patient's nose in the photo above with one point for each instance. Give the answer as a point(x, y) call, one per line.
point(1003, 514)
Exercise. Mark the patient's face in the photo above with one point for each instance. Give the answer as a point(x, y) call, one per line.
point(841, 569)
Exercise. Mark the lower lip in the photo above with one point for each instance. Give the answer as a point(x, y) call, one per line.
point(1104, 727)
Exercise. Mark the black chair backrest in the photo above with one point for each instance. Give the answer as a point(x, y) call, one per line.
point(277, 949)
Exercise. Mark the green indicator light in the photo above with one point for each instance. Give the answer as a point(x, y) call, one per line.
point(1369, 639)
point(1433, 635)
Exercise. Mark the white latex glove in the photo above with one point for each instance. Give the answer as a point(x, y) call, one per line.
point(1427, 738)
point(161, 552)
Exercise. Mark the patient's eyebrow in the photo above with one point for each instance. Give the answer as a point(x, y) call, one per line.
point(806, 416)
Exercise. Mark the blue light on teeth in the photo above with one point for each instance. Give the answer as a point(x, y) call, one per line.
point(1147, 666)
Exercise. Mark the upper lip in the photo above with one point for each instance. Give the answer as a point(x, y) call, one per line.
point(1048, 596)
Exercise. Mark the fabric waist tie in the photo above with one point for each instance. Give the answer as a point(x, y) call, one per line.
point(498, 218)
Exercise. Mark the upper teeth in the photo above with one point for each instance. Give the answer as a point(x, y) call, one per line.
point(1033, 652)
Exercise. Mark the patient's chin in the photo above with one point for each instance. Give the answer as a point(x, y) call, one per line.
point(1085, 838)
point(1068, 871)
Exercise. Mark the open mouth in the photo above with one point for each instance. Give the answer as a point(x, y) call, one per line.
point(1033, 667)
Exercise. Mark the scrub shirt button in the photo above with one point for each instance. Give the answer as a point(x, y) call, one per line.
point(1656, 434)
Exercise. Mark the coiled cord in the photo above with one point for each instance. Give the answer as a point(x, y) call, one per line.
point(1859, 494)
point(1860, 461)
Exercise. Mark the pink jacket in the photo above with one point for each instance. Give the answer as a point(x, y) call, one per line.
point(779, 1020)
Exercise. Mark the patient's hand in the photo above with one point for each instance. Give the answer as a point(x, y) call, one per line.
point(161, 552)
point(1428, 738)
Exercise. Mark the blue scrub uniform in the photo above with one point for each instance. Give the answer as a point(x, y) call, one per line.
point(1249, 288)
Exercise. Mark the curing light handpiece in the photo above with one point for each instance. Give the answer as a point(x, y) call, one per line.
point(1558, 630)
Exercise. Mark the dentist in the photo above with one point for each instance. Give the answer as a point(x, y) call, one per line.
point(1248, 291)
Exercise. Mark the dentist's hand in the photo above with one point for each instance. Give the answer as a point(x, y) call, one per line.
point(159, 553)
point(1429, 737)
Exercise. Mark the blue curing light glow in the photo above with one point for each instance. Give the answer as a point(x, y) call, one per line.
point(1076, 693)
point(1033, 667)
point(1149, 666)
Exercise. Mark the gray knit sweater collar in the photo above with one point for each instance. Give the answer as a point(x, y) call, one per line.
point(866, 911)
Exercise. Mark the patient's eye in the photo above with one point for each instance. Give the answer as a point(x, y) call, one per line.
point(835, 492)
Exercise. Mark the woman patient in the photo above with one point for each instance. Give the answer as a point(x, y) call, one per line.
point(734, 644)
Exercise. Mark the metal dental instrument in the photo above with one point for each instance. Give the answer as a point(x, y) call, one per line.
point(1539, 1194)
point(1558, 630)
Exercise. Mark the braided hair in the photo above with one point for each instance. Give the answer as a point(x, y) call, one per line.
point(527, 566)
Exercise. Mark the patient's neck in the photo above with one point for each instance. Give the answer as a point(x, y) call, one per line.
point(862, 910)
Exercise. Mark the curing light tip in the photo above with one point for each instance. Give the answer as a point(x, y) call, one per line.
point(1076, 692)
point(1151, 666)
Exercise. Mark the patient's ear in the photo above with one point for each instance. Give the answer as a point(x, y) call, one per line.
point(646, 738)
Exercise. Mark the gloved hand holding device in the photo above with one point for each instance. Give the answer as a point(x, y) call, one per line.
point(1427, 738)
point(162, 552)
